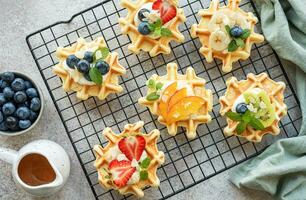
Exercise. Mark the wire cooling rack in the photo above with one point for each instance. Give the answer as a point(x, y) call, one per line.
point(188, 162)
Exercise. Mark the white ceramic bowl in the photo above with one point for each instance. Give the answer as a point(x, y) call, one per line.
point(41, 96)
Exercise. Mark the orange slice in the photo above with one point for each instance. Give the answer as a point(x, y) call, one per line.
point(178, 95)
point(184, 108)
point(166, 95)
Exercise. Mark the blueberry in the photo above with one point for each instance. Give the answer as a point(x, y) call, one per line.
point(241, 108)
point(28, 84)
point(23, 112)
point(88, 56)
point(35, 104)
point(1, 116)
point(11, 123)
point(8, 93)
point(2, 99)
point(83, 66)
point(32, 92)
point(24, 124)
point(72, 61)
point(8, 108)
point(236, 31)
point(20, 97)
point(143, 28)
point(141, 14)
point(18, 84)
point(3, 84)
point(87, 77)
point(102, 66)
point(3, 126)
point(33, 116)
point(8, 76)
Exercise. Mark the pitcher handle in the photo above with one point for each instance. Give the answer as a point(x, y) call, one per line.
point(8, 155)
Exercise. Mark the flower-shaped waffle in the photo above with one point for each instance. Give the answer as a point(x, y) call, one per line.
point(179, 100)
point(226, 33)
point(89, 69)
point(152, 25)
point(253, 107)
point(130, 160)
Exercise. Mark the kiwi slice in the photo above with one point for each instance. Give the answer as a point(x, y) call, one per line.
point(260, 104)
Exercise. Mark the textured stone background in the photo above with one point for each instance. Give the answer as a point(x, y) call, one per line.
point(20, 18)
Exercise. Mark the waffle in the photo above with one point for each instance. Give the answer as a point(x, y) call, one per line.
point(197, 85)
point(83, 92)
point(202, 31)
point(235, 88)
point(157, 158)
point(145, 43)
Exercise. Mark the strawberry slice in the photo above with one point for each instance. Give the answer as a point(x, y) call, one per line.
point(157, 4)
point(121, 171)
point(132, 146)
point(167, 12)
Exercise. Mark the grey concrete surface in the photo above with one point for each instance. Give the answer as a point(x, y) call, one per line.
point(18, 19)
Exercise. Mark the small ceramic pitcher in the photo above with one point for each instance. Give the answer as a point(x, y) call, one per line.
point(55, 155)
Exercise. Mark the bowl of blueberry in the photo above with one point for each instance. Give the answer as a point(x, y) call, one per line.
point(21, 103)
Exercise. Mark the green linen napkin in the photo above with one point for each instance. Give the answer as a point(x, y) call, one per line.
point(281, 169)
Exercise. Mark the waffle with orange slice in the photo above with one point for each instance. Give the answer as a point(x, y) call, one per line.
point(179, 100)
point(129, 161)
point(152, 25)
point(253, 107)
point(226, 33)
point(97, 81)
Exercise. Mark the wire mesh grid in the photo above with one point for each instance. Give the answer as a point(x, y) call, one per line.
point(188, 162)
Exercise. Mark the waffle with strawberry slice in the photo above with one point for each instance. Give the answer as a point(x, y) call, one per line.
point(152, 24)
point(129, 161)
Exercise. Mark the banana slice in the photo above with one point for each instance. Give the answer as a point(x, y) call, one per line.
point(236, 19)
point(219, 40)
point(218, 21)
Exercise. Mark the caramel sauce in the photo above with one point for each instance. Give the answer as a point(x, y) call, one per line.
point(34, 170)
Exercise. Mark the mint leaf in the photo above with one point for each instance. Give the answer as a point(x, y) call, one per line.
point(159, 86)
point(228, 29)
point(145, 163)
point(151, 84)
point(233, 116)
point(241, 127)
point(101, 53)
point(255, 123)
point(151, 27)
point(144, 175)
point(239, 42)
point(247, 116)
point(152, 96)
point(232, 46)
point(245, 34)
point(95, 76)
point(165, 32)
point(158, 23)
point(157, 32)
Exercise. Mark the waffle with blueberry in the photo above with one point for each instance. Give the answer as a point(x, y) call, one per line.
point(253, 107)
point(89, 69)
point(152, 25)
point(226, 33)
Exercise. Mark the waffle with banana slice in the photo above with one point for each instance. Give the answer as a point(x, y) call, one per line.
point(89, 69)
point(152, 24)
point(253, 107)
point(226, 33)
point(129, 161)
point(179, 100)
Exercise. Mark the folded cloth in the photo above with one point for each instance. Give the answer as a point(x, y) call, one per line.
point(281, 169)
